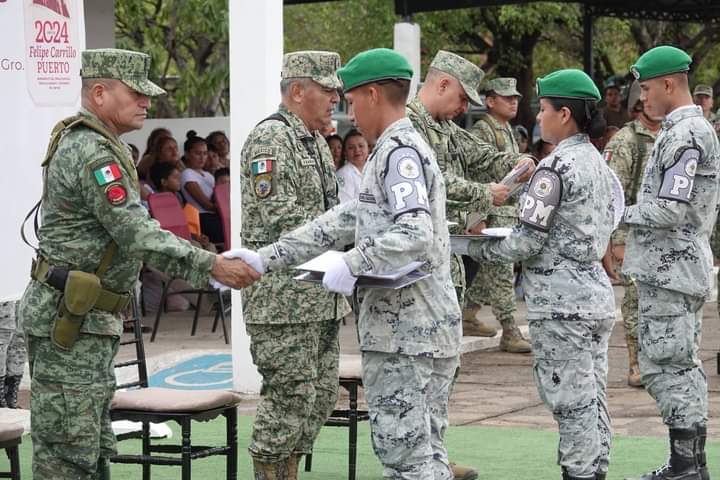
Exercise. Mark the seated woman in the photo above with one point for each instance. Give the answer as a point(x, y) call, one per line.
point(355, 151)
point(220, 144)
point(198, 185)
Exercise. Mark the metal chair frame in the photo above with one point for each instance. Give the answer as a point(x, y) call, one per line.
point(12, 449)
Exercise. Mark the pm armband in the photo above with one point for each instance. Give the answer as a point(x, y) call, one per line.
point(405, 185)
point(678, 179)
point(542, 200)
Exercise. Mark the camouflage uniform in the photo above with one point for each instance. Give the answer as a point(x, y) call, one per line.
point(90, 200)
point(288, 178)
point(496, 282)
point(410, 337)
point(627, 154)
point(459, 154)
point(571, 307)
point(12, 354)
point(668, 254)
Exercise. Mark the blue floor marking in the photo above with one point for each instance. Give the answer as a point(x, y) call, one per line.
point(208, 372)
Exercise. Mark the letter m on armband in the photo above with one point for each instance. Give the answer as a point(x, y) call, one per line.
point(542, 200)
point(678, 179)
point(405, 184)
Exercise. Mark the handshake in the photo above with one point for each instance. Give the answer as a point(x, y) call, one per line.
point(241, 267)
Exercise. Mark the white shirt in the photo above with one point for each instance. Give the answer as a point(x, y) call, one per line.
point(206, 182)
point(348, 179)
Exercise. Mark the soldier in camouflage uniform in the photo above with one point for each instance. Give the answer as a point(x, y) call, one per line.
point(288, 178)
point(409, 337)
point(12, 354)
point(496, 282)
point(92, 221)
point(450, 84)
point(566, 219)
point(668, 254)
point(627, 154)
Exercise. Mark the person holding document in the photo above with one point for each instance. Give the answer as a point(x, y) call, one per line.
point(409, 337)
point(566, 218)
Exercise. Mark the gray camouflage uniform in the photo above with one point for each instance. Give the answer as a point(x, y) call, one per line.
point(409, 337)
point(12, 344)
point(571, 307)
point(668, 254)
point(627, 154)
point(288, 178)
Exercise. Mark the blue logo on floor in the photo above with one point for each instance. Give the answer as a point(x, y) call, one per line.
point(209, 372)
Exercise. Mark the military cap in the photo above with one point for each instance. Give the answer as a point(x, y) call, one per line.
point(374, 65)
point(612, 82)
point(659, 61)
point(131, 68)
point(503, 86)
point(467, 73)
point(703, 90)
point(568, 83)
point(316, 65)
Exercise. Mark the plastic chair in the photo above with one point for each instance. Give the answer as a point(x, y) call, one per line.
point(10, 439)
point(165, 208)
point(144, 404)
point(222, 202)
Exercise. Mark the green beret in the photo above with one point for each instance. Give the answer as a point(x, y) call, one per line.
point(659, 61)
point(569, 83)
point(374, 65)
point(131, 68)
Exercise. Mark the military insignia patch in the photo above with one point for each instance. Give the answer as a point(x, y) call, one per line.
point(116, 194)
point(679, 178)
point(262, 166)
point(543, 187)
point(407, 168)
point(607, 156)
point(108, 173)
point(263, 185)
point(542, 200)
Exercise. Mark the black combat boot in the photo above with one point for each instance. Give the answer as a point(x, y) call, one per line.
point(3, 402)
point(682, 464)
point(700, 453)
point(12, 385)
point(600, 475)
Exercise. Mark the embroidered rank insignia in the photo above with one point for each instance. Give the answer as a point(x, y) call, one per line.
point(108, 173)
point(116, 194)
point(262, 166)
point(263, 185)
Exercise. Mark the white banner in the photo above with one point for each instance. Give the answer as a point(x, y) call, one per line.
point(40, 45)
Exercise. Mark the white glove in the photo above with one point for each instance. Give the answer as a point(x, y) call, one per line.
point(250, 257)
point(338, 278)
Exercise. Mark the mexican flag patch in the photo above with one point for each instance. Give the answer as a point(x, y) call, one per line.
point(261, 166)
point(108, 173)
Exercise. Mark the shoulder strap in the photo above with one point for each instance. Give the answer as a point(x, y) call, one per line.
point(637, 173)
point(499, 139)
point(106, 259)
point(275, 116)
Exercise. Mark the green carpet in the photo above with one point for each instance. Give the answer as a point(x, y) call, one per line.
point(498, 453)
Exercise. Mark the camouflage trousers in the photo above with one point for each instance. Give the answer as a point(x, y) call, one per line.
point(70, 407)
point(570, 370)
point(495, 284)
point(407, 400)
point(12, 341)
point(299, 366)
point(670, 328)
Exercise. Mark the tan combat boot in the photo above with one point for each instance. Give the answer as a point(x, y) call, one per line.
point(473, 327)
point(293, 463)
point(270, 471)
point(633, 378)
point(512, 341)
point(463, 473)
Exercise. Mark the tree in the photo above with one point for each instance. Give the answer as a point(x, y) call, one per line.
point(188, 42)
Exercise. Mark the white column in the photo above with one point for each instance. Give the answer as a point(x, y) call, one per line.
point(100, 23)
point(256, 48)
point(406, 40)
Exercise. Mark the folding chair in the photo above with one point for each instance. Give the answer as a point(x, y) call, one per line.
point(350, 378)
point(147, 404)
point(165, 208)
point(10, 439)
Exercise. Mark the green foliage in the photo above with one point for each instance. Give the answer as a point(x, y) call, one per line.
point(188, 41)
